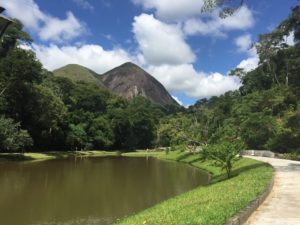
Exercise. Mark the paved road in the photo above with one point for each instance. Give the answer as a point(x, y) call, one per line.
point(282, 207)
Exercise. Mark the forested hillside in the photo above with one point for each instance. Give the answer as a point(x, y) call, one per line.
point(40, 111)
point(264, 113)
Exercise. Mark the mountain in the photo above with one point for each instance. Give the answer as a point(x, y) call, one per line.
point(78, 73)
point(129, 80)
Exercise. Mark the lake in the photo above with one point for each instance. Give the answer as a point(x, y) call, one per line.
point(89, 191)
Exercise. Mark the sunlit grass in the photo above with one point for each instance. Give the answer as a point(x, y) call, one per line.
point(210, 205)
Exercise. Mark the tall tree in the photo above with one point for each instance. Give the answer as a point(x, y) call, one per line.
point(13, 36)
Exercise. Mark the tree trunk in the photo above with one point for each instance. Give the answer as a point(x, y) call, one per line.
point(287, 75)
point(228, 173)
point(274, 73)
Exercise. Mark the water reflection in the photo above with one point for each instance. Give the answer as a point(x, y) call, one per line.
point(88, 190)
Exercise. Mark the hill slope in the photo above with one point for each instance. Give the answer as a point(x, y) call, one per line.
point(78, 73)
point(129, 80)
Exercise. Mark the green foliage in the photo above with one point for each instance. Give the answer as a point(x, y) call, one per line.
point(135, 126)
point(77, 137)
point(64, 114)
point(224, 154)
point(291, 156)
point(13, 35)
point(100, 133)
point(229, 7)
point(257, 129)
point(279, 63)
point(12, 137)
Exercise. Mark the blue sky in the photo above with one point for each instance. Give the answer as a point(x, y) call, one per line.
point(189, 52)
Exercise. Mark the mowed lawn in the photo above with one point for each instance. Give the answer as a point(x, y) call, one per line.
point(213, 204)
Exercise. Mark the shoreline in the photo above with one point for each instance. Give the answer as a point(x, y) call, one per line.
point(247, 173)
point(41, 156)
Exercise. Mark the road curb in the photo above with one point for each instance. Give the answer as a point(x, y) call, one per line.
point(243, 215)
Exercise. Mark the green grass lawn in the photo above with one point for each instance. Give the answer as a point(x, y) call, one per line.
point(213, 204)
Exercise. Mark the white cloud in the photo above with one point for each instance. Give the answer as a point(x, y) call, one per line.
point(47, 26)
point(93, 57)
point(243, 43)
point(178, 78)
point(184, 78)
point(290, 39)
point(25, 10)
point(85, 4)
point(177, 100)
point(249, 64)
point(58, 30)
point(172, 10)
point(161, 43)
point(215, 26)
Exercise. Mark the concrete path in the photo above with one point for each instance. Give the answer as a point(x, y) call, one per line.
point(282, 207)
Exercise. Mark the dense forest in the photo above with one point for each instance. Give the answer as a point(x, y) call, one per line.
point(41, 112)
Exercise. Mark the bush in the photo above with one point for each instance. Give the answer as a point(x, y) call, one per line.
point(223, 154)
point(291, 156)
point(12, 137)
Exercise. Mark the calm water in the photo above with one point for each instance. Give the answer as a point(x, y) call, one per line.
point(88, 191)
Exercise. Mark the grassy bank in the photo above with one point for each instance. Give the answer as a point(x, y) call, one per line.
point(210, 205)
point(52, 155)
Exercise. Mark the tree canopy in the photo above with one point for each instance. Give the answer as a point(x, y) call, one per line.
point(39, 111)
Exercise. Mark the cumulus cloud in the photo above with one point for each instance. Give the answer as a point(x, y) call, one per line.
point(46, 26)
point(91, 56)
point(249, 64)
point(57, 30)
point(84, 4)
point(161, 43)
point(184, 78)
point(172, 10)
point(243, 43)
point(176, 78)
point(215, 26)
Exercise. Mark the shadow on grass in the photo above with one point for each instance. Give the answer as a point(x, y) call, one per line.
point(61, 155)
point(46, 155)
point(183, 156)
point(237, 171)
point(14, 157)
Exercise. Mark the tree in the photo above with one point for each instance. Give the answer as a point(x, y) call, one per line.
point(269, 45)
point(44, 116)
point(229, 7)
point(19, 69)
point(77, 137)
point(100, 133)
point(238, 72)
point(12, 37)
point(224, 154)
point(12, 137)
